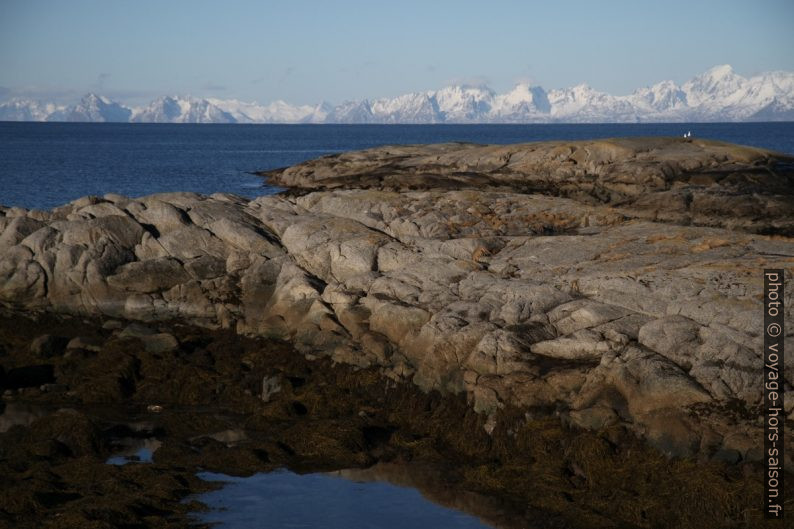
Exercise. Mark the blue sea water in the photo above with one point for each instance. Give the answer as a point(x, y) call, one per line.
point(311, 501)
point(43, 165)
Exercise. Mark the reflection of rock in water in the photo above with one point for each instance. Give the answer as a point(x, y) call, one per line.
point(434, 484)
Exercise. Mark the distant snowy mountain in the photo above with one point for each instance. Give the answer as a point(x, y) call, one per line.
point(276, 112)
point(461, 104)
point(96, 108)
point(23, 109)
point(719, 94)
point(522, 103)
point(776, 110)
point(584, 104)
point(351, 112)
point(408, 108)
point(664, 97)
point(171, 109)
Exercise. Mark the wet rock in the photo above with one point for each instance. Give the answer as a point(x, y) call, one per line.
point(594, 418)
point(73, 429)
point(672, 434)
point(86, 343)
point(136, 330)
point(727, 456)
point(112, 325)
point(329, 416)
point(270, 386)
point(228, 437)
point(159, 343)
point(48, 346)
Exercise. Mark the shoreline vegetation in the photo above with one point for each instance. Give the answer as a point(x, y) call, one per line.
point(565, 333)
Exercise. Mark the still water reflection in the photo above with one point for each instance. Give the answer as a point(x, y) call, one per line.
point(344, 499)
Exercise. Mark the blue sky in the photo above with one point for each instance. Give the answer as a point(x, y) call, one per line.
point(304, 51)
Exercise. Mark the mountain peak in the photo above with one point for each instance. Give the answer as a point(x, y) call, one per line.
point(522, 87)
point(719, 71)
point(718, 94)
point(182, 109)
point(467, 88)
point(96, 108)
point(583, 88)
point(717, 87)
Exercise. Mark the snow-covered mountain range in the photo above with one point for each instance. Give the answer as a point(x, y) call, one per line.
point(717, 95)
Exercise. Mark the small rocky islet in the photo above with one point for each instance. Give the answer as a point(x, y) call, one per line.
point(571, 327)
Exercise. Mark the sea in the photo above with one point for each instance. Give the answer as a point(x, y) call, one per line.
point(43, 165)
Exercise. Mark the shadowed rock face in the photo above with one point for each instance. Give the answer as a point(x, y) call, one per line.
point(613, 281)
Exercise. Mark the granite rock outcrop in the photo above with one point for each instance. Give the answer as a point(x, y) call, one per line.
point(609, 282)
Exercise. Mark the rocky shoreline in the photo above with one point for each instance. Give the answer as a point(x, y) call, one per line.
point(609, 284)
point(217, 401)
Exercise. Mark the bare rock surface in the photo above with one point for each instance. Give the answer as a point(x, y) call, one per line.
point(683, 181)
point(612, 281)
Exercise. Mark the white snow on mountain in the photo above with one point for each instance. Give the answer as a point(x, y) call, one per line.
point(319, 113)
point(409, 108)
point(664, 97)
point(462, 104)
point(96, 108)
point(351, 112)
point(522, 103)
point(174, 109)
point(714, 88)
point(719, 94)
point(24, 109)
point(275, 112)
point(722, 92)
point(584, 104)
